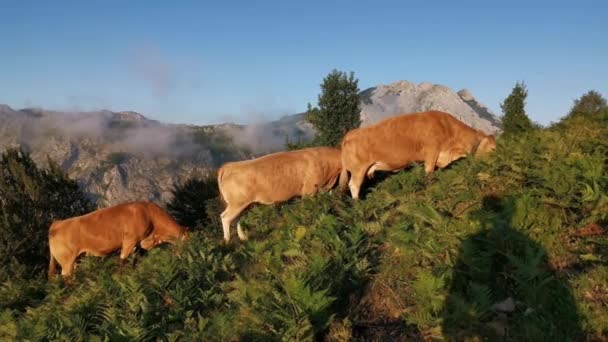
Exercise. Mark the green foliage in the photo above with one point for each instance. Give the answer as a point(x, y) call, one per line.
point(515, 119)
point(220, 145)
point(196, 204)
point(494, 249)
point(31, 198)
point(591, 103)
point(338, 108)
point(117, 158)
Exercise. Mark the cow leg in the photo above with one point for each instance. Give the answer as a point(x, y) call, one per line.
point(228, 216)
point(356, 180)
point(67, 265)
point(430, 161)
point(128, 246)
point(240, 232)
point(310, 187)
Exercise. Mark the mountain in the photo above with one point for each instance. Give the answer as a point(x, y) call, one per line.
point(119, 156)
point(400, 97)
point(405, 97)
point(124, 156)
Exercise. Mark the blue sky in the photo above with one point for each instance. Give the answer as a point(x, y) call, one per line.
point(206, 62)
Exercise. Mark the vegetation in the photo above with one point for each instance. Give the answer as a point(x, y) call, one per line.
point(220, 145)
point(589, 104)
point(31, 198)
point(511, 247)
point(196, 204)
point(515, 119)
point(117, 158)
point(339, 108)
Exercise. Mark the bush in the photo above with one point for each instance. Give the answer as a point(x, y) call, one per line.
point(32, 198)
point(591, 103)
point(117, 158)
point(196, 204)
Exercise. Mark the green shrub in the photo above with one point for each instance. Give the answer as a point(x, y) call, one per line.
point(31, 198)
point(196, 204)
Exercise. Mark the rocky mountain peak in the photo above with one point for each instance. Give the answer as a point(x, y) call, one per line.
point(401, 97)
point(466, 95)
point(129, 116)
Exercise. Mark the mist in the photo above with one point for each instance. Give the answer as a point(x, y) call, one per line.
point(132, 133)
point(126, 132)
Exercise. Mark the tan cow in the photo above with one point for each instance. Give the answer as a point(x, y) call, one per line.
point(433, 137)
point(275, 178)
point(105, 230)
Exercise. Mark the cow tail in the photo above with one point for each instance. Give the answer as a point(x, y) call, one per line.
point(52, 260)
point(52, 264)
point(344, 172)
point(220, 175)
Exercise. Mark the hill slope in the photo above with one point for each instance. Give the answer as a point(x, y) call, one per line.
point(512, 247)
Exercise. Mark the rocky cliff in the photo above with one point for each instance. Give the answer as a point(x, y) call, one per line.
point(405, 97)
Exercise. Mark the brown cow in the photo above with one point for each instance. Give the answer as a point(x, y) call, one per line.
point(275, 178)
point(105, 230)
point(433, 137)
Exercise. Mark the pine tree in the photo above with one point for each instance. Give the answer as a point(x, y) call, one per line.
point(515, 119)
point(590, 103)
point(338, 108)
point(31, 199)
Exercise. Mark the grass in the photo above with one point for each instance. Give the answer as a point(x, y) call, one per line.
point(505, 248)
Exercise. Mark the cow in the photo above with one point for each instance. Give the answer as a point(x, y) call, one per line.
point(106, 230)
point(433, 137)
point(275, 178)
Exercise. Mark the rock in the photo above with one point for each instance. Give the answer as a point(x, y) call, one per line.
point(499, 327)
point(507, 305)
point(400, 97)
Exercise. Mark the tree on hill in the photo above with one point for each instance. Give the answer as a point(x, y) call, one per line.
point(515, 119)
point(590, 103)
point(338, 108)
point(31, 199)
point(196, 204)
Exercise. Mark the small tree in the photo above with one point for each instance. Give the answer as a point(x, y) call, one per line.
point(31, 198)
point(339, 108)
point(515, 119)
point(196, 204)
point(590, 103)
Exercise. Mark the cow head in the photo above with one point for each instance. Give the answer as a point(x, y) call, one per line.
point(486, 145)
point(156, 238)
point(149, 242)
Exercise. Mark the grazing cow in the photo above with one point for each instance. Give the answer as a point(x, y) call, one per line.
point(433, 137)
point(275, 178)
point(105, 230)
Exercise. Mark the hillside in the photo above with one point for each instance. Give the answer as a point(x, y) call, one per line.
point(123, 156)
point(512, 247)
